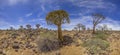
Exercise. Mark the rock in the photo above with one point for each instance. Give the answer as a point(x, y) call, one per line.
point(15, 45)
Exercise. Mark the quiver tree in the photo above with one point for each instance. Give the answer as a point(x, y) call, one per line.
point(21, 28)
point(37, 26)
point(11, 28)
point(28, 26)
point(79, 26)
point(75, 28)
point(103, 27)
point(97, 18)
point(83, 27)
point(58, 17)
point(29, 29)
point(37, 29)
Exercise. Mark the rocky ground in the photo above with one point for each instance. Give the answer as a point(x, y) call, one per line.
point(27, 43)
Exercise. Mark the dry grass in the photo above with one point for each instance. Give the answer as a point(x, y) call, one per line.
point(74, 49)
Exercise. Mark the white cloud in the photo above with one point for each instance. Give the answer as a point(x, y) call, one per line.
point(87, 20)
point(88, 5)
point(37, 19)
point(49, 4)
point(115, 25)
point(93, 4)
point(5, 25)
point(43, 7)
point(47, 1)
point(12, 2)
point(29, 14)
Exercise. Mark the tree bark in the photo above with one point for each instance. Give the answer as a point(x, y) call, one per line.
point(60, 34)
point(94, 29)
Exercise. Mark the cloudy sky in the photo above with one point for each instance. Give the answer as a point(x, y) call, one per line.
point(14, 13)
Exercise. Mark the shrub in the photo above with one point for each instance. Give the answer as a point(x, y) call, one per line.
point(15, 45)
point(46, 45)
point(95, 46)
point(101, 35)
point(14, 35)
point(67, 40)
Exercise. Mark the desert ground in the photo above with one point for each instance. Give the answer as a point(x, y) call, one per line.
point(44, 42)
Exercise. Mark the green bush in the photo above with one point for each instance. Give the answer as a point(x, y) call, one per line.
point(94, 50)
point(95, 45)
point(96, 42)
point(101, 35)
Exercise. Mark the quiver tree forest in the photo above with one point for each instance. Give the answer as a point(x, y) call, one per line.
point(54, 27)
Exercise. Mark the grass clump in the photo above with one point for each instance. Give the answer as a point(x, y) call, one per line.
point(101, 35)
point(96, 45)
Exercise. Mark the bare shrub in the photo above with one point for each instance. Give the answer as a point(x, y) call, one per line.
point(46, 45)
point(67, 40)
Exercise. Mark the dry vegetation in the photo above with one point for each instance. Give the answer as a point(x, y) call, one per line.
point(41, 41)
point(44, 42)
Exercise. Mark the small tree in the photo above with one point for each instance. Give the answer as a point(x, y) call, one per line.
point(103, 27)
point(83, 28)
point(38, 26)
point(21, 28)
point(29, 29)
point(11, 28)
point(37, 29)
point(58, 17)
point(97, 18)
point(75, 28)
point(79, 26)
point(28, 26)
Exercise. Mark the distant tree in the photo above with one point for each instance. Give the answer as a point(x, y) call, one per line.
point(28, 26)
point(88, 29)
point(83, 27)
point(79, 26)
point(97, 18)
point(103, 27)
point(21, 27)
point(38, 26)
point(75, 28)
point(11, 28)
point(100, 28)
point(58, 17)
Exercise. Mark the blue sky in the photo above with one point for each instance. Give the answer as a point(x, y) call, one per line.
point(21, 12)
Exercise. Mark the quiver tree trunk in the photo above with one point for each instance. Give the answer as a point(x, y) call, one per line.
point(60, 34)
point(94, 29)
